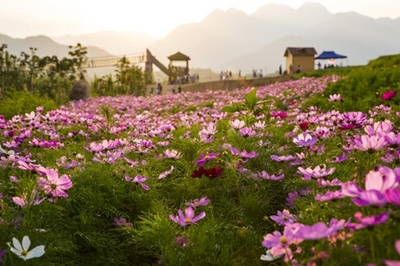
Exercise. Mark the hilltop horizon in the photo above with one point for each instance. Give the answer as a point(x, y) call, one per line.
point(155, 21)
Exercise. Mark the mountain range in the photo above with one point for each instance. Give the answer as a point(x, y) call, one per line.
point(233, 40)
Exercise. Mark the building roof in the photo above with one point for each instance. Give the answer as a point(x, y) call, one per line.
point(300, 51)
point(178, 57)
point(330, 55)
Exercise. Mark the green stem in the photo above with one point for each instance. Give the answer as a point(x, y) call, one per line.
point(371, 242)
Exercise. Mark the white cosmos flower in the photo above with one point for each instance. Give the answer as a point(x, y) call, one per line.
point(269, 256)
point(22, 251)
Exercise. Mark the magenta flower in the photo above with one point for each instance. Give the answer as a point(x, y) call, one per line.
point(318, 172)
point(267, 176)
point(376, 185)
point(206, 157)
point(24, 200)
point(379, 128)
point(187, 218)
point(198, 202)
point(388, 95)
point(329, 183)
point(32, 167)
point(247, 132)
point(305, 140)
point(280, 244)
point(139, 179)
point(330, 195)
point(237, 124)
point(320, 229)
point(392, 139)
point(172, 154)
point(244, 154)
point(369, 143)
point(394, 262)
point(339, 159)
point(121, 222)
point(180, 241)
point(335, 97)
point(54, 185)
point(2, 253)
point(166, 173)
point(393, 196)
point(282, 158)
point(292, 196)
point(284, 217)
point(368, 221)
point(352, 120)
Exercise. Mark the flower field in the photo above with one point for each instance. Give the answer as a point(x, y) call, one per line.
point(241, 177)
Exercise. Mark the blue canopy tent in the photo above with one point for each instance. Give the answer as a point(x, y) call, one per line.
point(329, 55)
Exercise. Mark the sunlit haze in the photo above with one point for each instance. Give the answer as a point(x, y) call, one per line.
point(156, 18)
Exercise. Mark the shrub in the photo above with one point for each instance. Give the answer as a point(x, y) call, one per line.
point(19, 103)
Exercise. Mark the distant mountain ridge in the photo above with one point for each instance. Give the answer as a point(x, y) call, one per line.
point(233, 40)
point(45, 47)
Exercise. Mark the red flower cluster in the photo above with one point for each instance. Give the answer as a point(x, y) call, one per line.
point(213, 172)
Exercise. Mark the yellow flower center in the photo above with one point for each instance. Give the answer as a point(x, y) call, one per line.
point(24, 252)
point(283, 240)
point(188, 220)
point(285, 218)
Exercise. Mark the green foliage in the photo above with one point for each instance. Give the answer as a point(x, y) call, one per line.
point(362, 87)
point(19, 103)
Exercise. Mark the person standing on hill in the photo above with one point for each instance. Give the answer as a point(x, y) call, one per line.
point(280, 69)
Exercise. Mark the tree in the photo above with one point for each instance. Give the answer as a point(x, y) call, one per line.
point(131, 78)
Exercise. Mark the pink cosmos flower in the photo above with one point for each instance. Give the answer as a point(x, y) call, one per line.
point(54, 185)
point(247, 132)
point(368, 221)
point(32, 167)
point(280, 114)
point(121, 222)
point(376, 185)
point(33, 199)
point(320, 229)
point(237, 124)
point(139, 179)
point(393, 196)
point(282, 158)
point(330, 195)
point(352, 120)
point(244, 154)
point(172, 154)
point(335, 97)
point(187, 218)
point(166, 173)
point(198, 202)
point(392, 139)
point(338, 159)
point(206, 157)
point(379, 128)
point(284, 217)
point(280, 244)
point(318, 172)
point(369, 143)
point(329, 183)
point(305, 140)
point(267, 176)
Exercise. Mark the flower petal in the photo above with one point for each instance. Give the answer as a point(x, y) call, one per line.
point(26, 242)
point(17, 244)
point(36, 252)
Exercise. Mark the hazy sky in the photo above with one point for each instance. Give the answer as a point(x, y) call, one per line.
point(21, 18)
